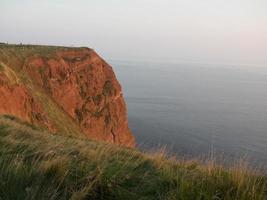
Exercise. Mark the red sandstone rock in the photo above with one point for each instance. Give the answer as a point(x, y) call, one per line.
point(79, 82)
point(16, 100)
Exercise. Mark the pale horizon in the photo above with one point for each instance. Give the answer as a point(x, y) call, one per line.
point(181, 31)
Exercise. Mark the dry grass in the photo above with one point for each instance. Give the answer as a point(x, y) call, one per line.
point(39, 165)
point(9, 73)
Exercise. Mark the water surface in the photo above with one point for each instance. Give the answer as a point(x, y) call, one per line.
point(195, 109)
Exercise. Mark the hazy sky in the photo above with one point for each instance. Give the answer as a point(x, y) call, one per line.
point(228, 31)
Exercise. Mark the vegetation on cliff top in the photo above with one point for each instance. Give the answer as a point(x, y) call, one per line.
point(35, 164)
point(12, 60)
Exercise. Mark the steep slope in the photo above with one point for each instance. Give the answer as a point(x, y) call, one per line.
point(70, 90)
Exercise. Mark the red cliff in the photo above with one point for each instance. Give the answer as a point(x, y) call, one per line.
point(58, 87)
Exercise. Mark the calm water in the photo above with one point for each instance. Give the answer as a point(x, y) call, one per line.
point(195, 109)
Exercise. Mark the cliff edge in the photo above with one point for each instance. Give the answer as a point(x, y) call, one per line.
point(70, 90)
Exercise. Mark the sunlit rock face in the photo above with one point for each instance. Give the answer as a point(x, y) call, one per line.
point(78, 81)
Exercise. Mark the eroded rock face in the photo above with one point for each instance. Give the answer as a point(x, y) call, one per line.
point(82, 84)
point(16, 100)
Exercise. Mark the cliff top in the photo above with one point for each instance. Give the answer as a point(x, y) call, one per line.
point(34, 46)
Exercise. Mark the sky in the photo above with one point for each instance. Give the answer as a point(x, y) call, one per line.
point(214, 31)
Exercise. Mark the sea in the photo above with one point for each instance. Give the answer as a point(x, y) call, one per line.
point(195, 110)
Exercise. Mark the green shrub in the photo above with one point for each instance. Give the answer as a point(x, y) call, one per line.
point(108, 88)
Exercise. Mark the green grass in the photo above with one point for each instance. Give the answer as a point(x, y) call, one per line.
point(25, 49)
point(35, 164)
point(14, 57)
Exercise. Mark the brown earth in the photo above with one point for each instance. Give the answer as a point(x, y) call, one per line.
point(78, 83)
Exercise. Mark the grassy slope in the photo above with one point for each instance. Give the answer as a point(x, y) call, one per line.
point(37, 165)
point(13, 58)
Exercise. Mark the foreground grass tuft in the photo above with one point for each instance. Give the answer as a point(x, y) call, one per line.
point(37, 165)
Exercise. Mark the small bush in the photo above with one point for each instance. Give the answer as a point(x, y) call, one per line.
point(108, 88)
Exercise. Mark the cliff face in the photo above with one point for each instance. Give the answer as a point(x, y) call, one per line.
point(16, 100)
point(63, 89)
